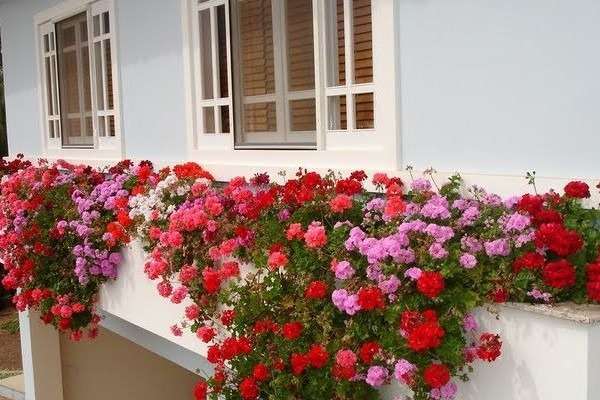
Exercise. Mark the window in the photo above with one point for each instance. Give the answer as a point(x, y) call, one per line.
point(257, 70)
point(78, 84)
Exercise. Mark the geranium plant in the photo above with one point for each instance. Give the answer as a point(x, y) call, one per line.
point(63, 227)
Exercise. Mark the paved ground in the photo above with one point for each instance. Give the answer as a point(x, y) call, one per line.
point(10, 357)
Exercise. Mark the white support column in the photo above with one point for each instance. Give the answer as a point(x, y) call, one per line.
point(40, 349)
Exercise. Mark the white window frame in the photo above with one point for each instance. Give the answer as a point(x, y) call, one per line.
point(369, 149)
point(103, 148)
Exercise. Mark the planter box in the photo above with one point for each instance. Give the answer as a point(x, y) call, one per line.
point(549, 352)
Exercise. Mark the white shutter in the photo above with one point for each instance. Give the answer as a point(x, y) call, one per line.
point(211, 38)
point(101, 27)
point(50, 94)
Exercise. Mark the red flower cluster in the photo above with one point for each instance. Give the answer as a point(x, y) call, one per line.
point(531, 260)
point(368, 351)
point(430, 284)
point(577, 190)
point(370, 298)
point(292, 330)
point(489, 348)
point(316, 290)
point(593, 280)
point(423, 330)
point(559, 274)
point(558, 239)
point(436, 375)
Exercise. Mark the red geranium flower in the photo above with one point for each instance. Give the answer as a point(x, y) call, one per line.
point(436, 375)
point(317, 356)
point(368, 351)
point(593, 283)
point(292, 330)
point(316, 290)
point(370, 298)
point(489, 347)
point(200, 390)
point(530, 203)
point(430, 284)
point(559, 274)
point(577, 190)
point(260, 372)
point(530, 260)
point(248, 389)
point(299, 363)
point(425, 336)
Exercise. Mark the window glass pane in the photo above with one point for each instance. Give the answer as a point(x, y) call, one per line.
point(335, 42)
point(206, 54)
point(224, 113)
point(300, 45)
point(106, 22)
point(56, 128)
point(51, 129)
point(363, 45)
point(46, 44)
point(222, 43)
point(49, 77)
point(260, 117)
point(99, 76)
point(110, 122)
point(101, 127)
point(51, 41)
point(303, 115)
point(364, 111)
point(336, 110)
point(74, 81)
point(256, 47)
point(87, 91)
point(96, 25)
point(209, 119)
point(83, 30)
point(108, 77)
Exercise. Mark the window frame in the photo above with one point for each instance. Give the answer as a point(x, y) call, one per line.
point(377, 149)
point(103, 148)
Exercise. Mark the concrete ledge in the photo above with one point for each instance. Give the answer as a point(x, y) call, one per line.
point(582, 313)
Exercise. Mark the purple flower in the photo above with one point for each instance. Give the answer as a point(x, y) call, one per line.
point(437, 251)
point(413, 273)
point(284, 215)
point(441, 234)
point(446, 392)
point(420, 185)
point(498, 247)
point(404, 370)
point(436, 207)
point(376, 375)
point(390, 285)
point(355, 239)
point(539, 295)
point(470, 323)
point(343, 270)
point(517, 222)
point(405, 256)
point(471, 244)
point(468, 260)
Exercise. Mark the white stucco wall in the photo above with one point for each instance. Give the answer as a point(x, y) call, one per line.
point(150, 52)
point(489, 86)
point(501, 86)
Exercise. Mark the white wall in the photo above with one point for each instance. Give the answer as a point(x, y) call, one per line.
point(150, 41)
point(501, 86)
point(487, 86)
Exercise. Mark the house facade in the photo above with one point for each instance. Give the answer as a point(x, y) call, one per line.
point(488, 88)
